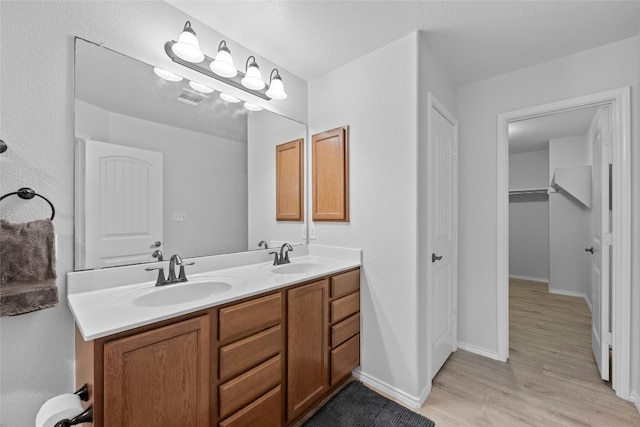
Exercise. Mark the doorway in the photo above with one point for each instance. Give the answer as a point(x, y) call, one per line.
point(618, 101)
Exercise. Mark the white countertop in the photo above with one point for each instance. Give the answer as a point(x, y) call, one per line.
point(104, 310)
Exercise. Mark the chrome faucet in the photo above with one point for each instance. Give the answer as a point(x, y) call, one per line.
point(283, 256)
point(158, 254)
point(263, 243)
point(175, 260)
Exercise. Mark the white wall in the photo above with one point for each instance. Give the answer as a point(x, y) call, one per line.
point(529, 170)
point(37, 120)
point(210, 187)
point(603, 68)
point(265, 131)
point(569, 222)
point(383, 203)
point(569, 152)
point(529, 216)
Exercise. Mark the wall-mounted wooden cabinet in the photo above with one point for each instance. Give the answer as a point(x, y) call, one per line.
point(330, 166)
point(290, 181)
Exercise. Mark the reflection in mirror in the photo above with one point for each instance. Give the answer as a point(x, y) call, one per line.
point(162, 168)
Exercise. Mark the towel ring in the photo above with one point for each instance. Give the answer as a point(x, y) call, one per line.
point(27, 193)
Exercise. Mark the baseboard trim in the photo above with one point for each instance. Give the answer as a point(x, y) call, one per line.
point(534, 279)
point(572, 294)
point(397, 394)
point(479, 351)
point(635, 398)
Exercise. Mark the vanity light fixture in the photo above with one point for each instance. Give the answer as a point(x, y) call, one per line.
point(276, 88)
point(252, 107)
point(229, 98)
point(200, 87)
point(253, 78)
point(186, 52)
point(187, 46)
point(223, 64)
point(167, 75)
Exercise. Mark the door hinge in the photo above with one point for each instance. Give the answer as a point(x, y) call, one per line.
point(455, 153)
point(608, 339)
point(608, 239)
point(455, 315)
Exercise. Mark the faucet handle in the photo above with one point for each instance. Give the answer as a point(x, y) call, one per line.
point(161, 279)
point(276, 259)
point(182, 276)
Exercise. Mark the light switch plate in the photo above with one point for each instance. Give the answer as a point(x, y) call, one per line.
point(312, 230)
point(179, 216)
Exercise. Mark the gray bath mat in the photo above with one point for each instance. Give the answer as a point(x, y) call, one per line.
point(358, 406)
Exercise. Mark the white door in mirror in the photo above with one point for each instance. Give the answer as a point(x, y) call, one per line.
point(122, 201)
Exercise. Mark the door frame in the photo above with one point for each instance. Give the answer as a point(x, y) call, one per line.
point(619, 101)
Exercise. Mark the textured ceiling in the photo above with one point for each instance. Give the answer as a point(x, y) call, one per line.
point(473, 39)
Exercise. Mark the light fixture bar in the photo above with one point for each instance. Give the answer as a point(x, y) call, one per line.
point(204, 69)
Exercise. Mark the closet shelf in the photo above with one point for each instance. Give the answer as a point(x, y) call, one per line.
point(574, 181)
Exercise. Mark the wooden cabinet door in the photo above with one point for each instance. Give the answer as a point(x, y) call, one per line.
point(330, 160)
point(160, 377)
point(308, 346)
point(290, 181)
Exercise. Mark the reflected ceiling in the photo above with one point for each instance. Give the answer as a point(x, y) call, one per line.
point(135, 90)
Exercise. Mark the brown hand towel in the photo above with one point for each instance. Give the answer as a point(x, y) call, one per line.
point(27, 267)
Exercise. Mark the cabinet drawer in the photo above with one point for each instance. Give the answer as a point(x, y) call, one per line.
point(344, 359)
point(264, 412)
point(345, 306)
point(244, 354)
point(237, 320)
point(247, 387)
point(345, 283)
point(344, 330)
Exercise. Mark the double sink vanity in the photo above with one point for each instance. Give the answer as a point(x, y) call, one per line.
point(223, 337)
point(242, 342)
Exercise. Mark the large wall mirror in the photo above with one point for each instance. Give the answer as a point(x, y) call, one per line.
point(162, 168)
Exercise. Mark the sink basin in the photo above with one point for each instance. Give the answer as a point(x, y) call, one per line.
point(193, 290)
point(297, 268)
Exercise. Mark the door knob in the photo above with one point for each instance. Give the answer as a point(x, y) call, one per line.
point(157, 244)
point(435, 258)
point(589, 249)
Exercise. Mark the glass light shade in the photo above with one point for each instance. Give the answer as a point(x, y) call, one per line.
point(276, 89)
point(200, 87)
point(223, 64)
point(167, 75)
point(188, 47)
point(229, 98)
point(253, 78)
point(252, 107)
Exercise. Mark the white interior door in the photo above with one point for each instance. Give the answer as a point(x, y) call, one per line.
point(442, 232)
point(601, 243)
point(122, 205)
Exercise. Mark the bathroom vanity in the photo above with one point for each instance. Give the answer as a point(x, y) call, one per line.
point(264, 359)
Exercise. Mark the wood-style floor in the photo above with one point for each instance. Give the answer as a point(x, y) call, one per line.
point(550, 379)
